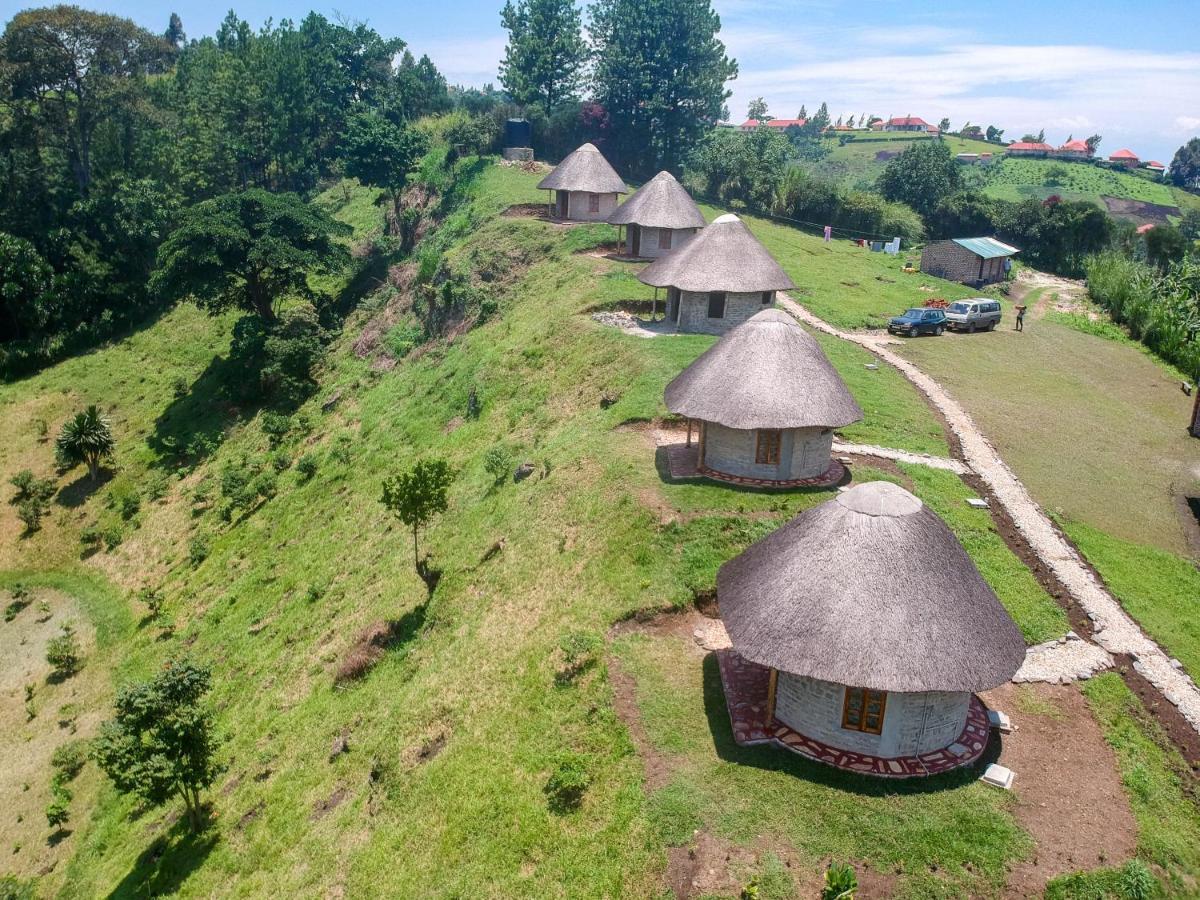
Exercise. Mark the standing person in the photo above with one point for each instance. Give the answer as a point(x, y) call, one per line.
point(828, 233)
point(1020, 326)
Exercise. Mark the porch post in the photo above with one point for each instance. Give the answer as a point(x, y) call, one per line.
point(654, 306)
point(771, 682)
point(689, 437)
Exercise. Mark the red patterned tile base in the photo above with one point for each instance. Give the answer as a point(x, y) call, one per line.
point(684, 462)
point(745, 686)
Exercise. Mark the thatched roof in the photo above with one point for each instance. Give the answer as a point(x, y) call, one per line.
point(661, 202)
point(725, 256)
point(585, 169)
point(869, 589)
point(766, 373)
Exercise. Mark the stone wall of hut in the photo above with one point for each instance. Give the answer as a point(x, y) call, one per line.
point(648, 246)
point(579, 206)
point(954, 262)
point(803, 452)
point(913, 723)
point(693, 311)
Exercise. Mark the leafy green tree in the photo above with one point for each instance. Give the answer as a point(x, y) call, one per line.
point(382, 154)
point(86, 438)
point(741, 167)
point(160, 743)
point(803, 114)
point(758, 110)
point(820, 121)
point(416, 496)
point(994, 134)
point(248, 250)
point(544, 58)
point(961, 214)
point(62, 652)
point(1093, 142)
point(421, 87)
point(921, 176)
point(1165, 244)
point(77, 69)
point(27, 298)
point(175, 35)
point(944, 126)
point(1185, 167)
point(58, 811)
point(660, 73)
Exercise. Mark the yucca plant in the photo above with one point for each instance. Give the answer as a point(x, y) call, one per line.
point(841, 882)
point(86, 438)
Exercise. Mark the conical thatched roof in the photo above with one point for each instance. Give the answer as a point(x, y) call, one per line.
point(585, 169)
point(725, 256)
point(766, 373)
point(869, 589)
point(661, 202)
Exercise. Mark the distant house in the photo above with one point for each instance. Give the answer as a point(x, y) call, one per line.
point(718, 279)
point(909, 123)
point(967, 158)
point(1124, 157)
point(585, 186)
point(1075, 149)
point(659, 217)
point(1029, 148)
point(971, 261)
point(1147, 226)
point(776, 124)
point(1154, 166)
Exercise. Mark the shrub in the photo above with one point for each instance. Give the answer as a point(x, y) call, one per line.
point(68, 759)
point(401, 340)
point(306, 466)
point(280, 460)
point(567, 784)
point(124, 498)
point(340, 453)
point(89, 538)
point(62, 652)
point(198, 549)
point(276, 427)
point(179, 387)
point(153, 600)
point(157, 486)
point(58, 811)
point(1137, 881)
point(30, 513)
point(497, 462)
point(579, 650)
point(112, 537)
point(22, 481)
point(841, 882)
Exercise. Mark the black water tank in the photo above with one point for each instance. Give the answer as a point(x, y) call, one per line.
point(517, 133)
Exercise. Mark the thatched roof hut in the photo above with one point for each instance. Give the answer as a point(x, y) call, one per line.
point(586, 186)
point(718, 279)
point(766, 373)
point(876, 626)
point(659, 217)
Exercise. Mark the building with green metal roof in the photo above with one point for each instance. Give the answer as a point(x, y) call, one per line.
point(974, 261)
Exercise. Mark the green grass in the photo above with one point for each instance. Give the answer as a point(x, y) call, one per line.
point(855, 166)
point(1020, 178)
point(1157, 780)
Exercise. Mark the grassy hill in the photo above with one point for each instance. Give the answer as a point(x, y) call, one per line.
point(503, 678)
point(859, 162)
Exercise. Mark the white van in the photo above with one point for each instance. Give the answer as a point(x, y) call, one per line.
point(976, 314)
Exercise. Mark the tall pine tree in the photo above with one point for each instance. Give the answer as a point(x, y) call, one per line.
point(660, 73)
point(543, 62)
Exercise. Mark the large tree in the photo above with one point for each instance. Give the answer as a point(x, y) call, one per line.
point(247, 250)
point(757, 110)
point(76, 69)
point(381, 153)
point(1185, 167)
point(660, 73)
point(921, 176)
point(543, 61)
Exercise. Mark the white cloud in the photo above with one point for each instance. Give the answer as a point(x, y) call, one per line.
point(1187, 123)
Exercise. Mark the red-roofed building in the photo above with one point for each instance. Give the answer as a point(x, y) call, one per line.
point(1075, 149)
point(1155, 166)
point(1142, 229)
point(1029, 148)
point(908, 123)
point(777, 124)
point(1124, 157)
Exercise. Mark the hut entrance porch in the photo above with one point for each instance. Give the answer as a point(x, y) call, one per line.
point(749, 698)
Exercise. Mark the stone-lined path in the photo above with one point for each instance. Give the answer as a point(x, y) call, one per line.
point(1114, 631)
point(958, 467)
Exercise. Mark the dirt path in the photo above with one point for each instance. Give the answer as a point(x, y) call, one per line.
point(920, 459)
point(1115, 631)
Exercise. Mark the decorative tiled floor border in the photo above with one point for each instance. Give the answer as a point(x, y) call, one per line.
point(683, 462)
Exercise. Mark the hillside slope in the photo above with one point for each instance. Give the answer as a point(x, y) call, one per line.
point(500, 679)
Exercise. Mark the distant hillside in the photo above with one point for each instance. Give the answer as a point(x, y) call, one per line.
point(858, 162)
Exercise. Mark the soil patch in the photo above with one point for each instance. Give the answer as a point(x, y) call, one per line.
point(328, 805)
point(655, 766)
point(1140, 211)
point(1068, 788)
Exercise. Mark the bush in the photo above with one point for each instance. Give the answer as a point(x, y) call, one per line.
point(30, 513)
point(579, 650)
point(198, 549)
point(153, 600)
point(68, 759)
point(497, 462)
point(179, 387)
point(112, 537)
point(124, 498)
point(280, 460)
point(90, 537)
point(276, 427)
point(58, 811)
point(841, 882)
point(62, 652)
point(567, 784)
point(340, 453)
point(306, 466)
point(401, 340)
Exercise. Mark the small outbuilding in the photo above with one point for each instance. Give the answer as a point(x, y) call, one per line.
point(718, 279)
point(767, 400)
point(586, 188)
point(973, 261)
point(870, 631)
point(1124, 157)
point(659, 217)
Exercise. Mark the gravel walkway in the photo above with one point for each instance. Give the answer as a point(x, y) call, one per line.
point(921, 459)
point(1115, 631)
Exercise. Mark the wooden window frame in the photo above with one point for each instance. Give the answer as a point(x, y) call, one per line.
point(593, 203)
point(715, 297)
point(767, 442)
point(866, 695)
point(664, 238)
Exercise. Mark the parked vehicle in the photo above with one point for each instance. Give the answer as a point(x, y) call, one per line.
point(976, 314)
point(918, 320)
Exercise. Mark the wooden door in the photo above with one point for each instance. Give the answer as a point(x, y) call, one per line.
point(635, 240)
point(563, 198)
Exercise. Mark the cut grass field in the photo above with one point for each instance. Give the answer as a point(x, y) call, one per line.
point(455, 734)
point(855, 165)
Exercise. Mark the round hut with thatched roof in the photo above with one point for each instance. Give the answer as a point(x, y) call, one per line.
point(586, 188)
point(767, 401)
point(718, 279)
point(869, 631)
point(660, 217)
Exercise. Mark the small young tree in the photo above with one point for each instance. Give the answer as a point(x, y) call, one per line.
point(757, 110)
point(803, 114)
point(381, 153)
point(944, 125)
point(416, 496)
point(62, 652)
point(86, 438)
point(161, 742)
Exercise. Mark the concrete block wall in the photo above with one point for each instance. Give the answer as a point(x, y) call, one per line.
point(803, 452)
point(578, 206)
point(649, 248)
point(693, 311)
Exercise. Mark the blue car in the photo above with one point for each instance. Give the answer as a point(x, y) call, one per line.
point(918, 321)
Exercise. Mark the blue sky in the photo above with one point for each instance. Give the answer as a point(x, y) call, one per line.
point(1130, 71)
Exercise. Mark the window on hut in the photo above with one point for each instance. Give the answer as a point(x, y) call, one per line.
point(766, 450)
point(767, 297)
point(664, 238)
point(716, 305)
point(593, 203)
point(863, 709)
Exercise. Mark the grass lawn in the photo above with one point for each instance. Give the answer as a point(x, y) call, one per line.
point(455, 735)
point(854, 164)
point(1020, 178)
